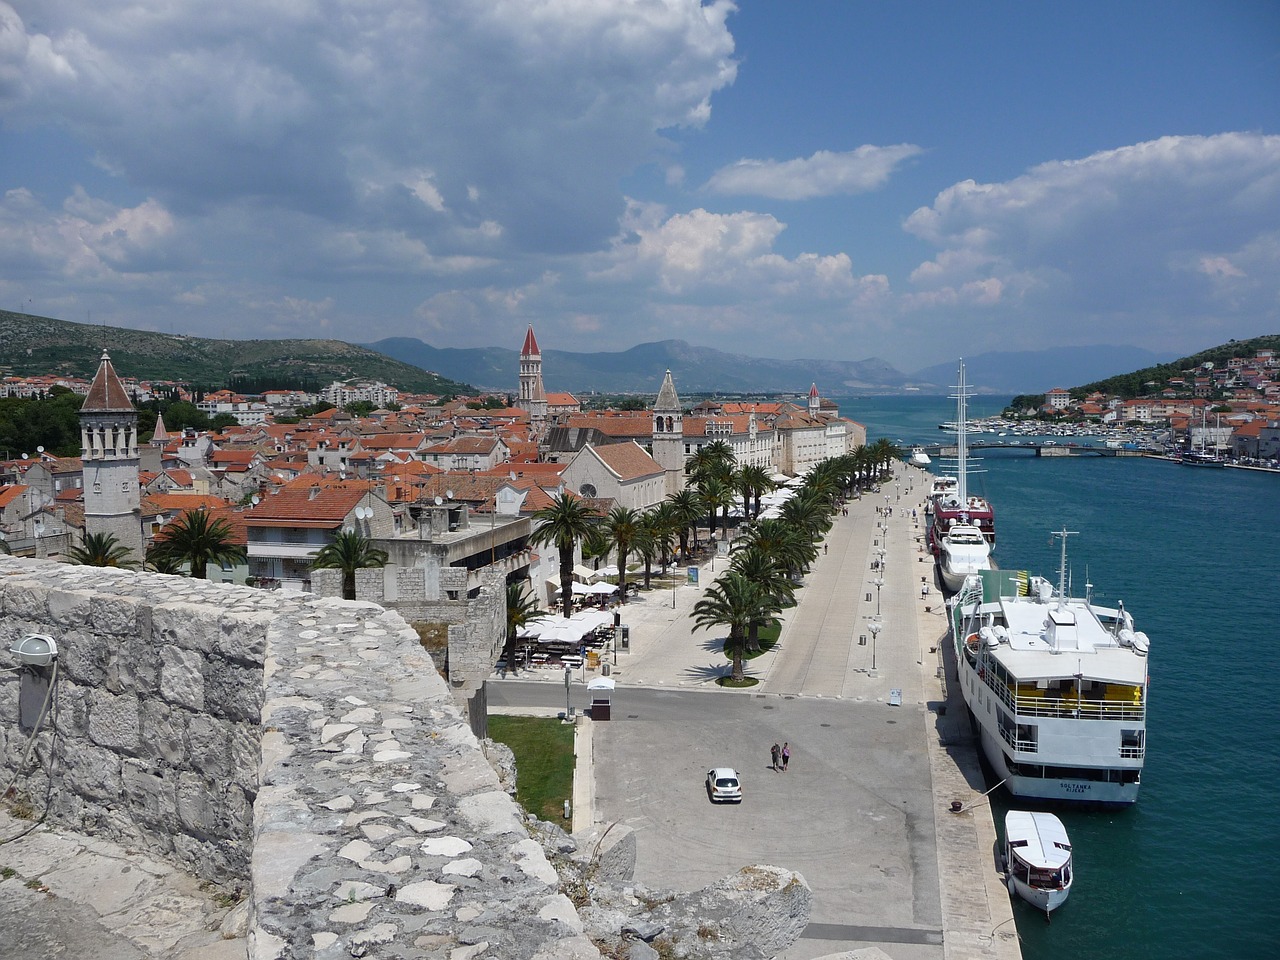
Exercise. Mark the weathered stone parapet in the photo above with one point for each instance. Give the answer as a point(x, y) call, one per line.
point(152, 734)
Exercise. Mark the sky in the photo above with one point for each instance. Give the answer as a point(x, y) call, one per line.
point(912, 181)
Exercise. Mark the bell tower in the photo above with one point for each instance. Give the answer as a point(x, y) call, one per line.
point(109, 452)
point(668, 435)
point(533, 397)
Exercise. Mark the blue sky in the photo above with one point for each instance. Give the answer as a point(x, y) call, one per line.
point(909, 181)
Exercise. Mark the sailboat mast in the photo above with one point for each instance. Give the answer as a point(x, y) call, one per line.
point(962, 437)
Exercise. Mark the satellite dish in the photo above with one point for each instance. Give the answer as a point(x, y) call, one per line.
point(255, 499)
point(40, 449)
point(449, 494)
point(438, 500)
point(24, 456)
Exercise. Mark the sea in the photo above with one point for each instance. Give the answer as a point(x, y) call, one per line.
point(1193, 868)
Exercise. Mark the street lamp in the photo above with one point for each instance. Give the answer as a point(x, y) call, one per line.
point(568, 679)
point(875, 626)
point(879, 582)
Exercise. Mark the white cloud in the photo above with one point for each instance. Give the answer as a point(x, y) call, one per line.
point(824, 174)
point(1117, 245)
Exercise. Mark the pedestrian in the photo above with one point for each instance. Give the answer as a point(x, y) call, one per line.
point(824, 549)
point(786, 756)
point(775, 753)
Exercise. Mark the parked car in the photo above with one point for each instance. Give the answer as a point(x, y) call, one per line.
point(723, 785)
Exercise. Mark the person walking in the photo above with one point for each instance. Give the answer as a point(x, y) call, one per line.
point(786, 756)
point(775, 753)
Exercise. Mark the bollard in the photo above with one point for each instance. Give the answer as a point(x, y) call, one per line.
point(566, 809)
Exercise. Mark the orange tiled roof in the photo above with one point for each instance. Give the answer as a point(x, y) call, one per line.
point(316, 506)
point(628, 460)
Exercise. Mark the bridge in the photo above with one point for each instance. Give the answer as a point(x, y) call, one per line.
point(1036, 449)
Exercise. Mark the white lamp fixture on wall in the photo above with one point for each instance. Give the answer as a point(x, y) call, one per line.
point(35, 650)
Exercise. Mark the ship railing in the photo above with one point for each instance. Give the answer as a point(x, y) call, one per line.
point(1133, 753)
point(1025, 746)
point(1037, 705)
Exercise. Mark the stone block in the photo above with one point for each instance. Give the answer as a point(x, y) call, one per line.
point(182, 677)
point(83, 657)
point(132, 666)
point(233, 692)
point(114, 722)
point(163, 734)
point(189, 626)
point(242, 639)
point(113, 615)
point(148, 796)
point(208, 746)
point(70, 609)
point(199, 809)
point(326, 583)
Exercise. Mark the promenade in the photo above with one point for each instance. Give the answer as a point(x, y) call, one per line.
point(820, 658)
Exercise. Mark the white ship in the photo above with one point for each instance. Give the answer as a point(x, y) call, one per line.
point(1056, 686)
point(962, 551)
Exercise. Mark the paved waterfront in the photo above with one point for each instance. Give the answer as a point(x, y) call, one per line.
point(864, 811)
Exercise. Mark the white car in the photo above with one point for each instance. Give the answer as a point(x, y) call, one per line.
point(723, 785)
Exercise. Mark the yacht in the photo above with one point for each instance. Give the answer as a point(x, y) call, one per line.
point(963, 551)
point(954, 504)
point(1056, 686)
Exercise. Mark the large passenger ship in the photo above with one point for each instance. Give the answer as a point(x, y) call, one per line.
point(1056, 686)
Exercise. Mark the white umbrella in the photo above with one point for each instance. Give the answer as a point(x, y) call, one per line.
point(582, 588)
point(609, 570)
point(601, 588)
point(584, 572)
point(592, 618)
point(601, 683)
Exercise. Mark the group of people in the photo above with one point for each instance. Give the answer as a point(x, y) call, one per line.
point(781, 756)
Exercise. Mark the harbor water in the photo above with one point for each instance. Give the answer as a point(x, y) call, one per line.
point(1188, 871)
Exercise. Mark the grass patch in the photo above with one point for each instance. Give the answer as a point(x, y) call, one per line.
point(730, 682)
point(768, 637)
point(544, 762)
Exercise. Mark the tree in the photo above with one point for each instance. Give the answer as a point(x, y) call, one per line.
point(654, 538)
point(735, 602)
point(622, 528)
point(751, 483)
point(101, 550)
point(349, 551)
point(521, 608)
point(561, 525)
point(716, 496)
point(770, 574)
point(687, 511)
point(195, 540)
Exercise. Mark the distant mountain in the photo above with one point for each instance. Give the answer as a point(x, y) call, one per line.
point(35, 345)
point(640, 369)
point(1036, 371)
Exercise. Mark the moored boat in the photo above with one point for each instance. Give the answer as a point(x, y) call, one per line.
point(963, 551)
point(1056, 686)
point(1037, 858)
point(953, 503)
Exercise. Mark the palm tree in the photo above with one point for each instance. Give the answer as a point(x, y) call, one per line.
point(763, 569)
point(521, 608)
point(622, 527)
point(657, 533)
point(738, 603)
point(349, 551)
point(562, 525)
point(196, 540)
point(716, 495)
point(752, 483)
point(790, 546)
point(687, 511)
point(101, 550)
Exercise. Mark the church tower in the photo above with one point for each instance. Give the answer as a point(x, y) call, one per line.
point(109, 452)
point(533, 397)
point(668, 435)
point(815, 404)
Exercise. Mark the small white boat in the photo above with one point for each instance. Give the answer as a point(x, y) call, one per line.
point(919, 458)
point(962, 552)
point(1037, 858)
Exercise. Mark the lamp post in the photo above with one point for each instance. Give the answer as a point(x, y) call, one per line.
point(568, 679)
point(875, 626)
point(879, 582)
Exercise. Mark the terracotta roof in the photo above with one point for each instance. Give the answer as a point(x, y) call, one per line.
point(628, 460)
point(316, 506)
point(614, 425)
point(530, 347)
point(106, 393)
point(11, 493)
point(179, 502)
point(561, 399)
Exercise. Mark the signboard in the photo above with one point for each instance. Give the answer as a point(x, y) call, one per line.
point(693, 576)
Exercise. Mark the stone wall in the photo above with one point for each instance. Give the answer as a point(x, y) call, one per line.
point(158, 699)
point(378, 827)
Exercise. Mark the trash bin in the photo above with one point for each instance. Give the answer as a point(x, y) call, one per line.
point(600, 709)
point(626, 637)
point(604, 669)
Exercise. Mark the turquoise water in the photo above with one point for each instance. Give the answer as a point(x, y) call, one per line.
point(1195, 556)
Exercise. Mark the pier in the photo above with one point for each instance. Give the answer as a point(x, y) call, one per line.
point(1036, 449)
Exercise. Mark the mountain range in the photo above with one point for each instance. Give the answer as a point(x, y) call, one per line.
point(44, 345)
point(706, 369)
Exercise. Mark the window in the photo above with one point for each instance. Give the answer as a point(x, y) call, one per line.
point(588, 490)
